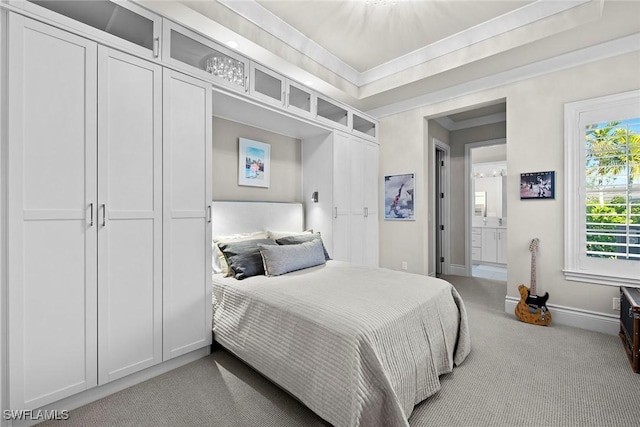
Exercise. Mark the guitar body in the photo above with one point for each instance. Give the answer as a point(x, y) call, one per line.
point(532, 308)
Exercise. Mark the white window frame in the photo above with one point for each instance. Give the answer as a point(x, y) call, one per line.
point(578, 266)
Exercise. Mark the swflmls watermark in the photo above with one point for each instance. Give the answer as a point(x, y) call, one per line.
point(35, 414)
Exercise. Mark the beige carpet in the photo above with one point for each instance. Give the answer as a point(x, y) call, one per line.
point(516, 375)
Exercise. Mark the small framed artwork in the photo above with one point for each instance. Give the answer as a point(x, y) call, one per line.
point(254, 165)
point(399, 197)
point(537, 185)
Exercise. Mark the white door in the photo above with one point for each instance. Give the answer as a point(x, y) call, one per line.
point(341, 197)
point(52, 255)
point(371, 203)
point(130, 214)
point(187, 146)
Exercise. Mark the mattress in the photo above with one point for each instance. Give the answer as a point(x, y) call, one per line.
point(360, 346)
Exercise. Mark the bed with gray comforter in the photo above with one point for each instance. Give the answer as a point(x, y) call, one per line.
point(359, 346)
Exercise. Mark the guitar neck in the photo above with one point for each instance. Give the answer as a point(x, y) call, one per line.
point(533, 273)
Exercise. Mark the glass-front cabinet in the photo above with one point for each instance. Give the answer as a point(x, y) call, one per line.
point(300, 99)
point(121, 24)
point(332, 112)
point(267, 85)
point(364, 126)
point(198, 55)
point(276, 89)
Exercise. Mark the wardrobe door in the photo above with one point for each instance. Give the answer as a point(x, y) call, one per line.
point(341, 197)
point(357, 219)
point(371, 203)
point(129, 214)
point(187, 146)
point(51, 214)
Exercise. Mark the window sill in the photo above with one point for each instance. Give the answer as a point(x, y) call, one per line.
point(608, 280)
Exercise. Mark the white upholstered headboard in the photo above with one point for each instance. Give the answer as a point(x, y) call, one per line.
point(229, 218)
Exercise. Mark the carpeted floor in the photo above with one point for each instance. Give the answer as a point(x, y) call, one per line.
point(516, 375)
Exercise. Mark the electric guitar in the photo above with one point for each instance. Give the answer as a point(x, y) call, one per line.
point(532, 308)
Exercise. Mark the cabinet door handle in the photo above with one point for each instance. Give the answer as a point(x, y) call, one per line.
point(246, 83)
point(91, 214)
point(284, 98)
point(104, 215)
point(156, 47)
point(209, 214)
point(366, 212)
point(335, 214)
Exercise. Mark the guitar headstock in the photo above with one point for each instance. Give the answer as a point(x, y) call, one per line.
point(533, 246)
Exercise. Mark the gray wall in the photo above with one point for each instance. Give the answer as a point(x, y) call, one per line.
point(286, 164)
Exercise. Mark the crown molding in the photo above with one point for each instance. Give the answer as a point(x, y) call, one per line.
point(610, 49)
point(450, 125)
point(528, 14)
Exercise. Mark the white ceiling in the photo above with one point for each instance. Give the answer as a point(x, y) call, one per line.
point(384, 57)
point(365, 35)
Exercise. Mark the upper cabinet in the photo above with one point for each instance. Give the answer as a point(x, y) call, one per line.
point(131, 28)
point(200, 56)
point(121, 24)
point(275, 89)
point(332, 112)
point(365, 127)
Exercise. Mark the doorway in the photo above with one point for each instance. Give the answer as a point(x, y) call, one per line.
point(486, 210)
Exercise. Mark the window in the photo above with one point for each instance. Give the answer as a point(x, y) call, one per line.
point(602, 190)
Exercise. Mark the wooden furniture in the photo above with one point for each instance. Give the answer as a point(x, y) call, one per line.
point(630, 325)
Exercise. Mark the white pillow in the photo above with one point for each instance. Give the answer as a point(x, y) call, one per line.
point(283, 259)
point(275, 235)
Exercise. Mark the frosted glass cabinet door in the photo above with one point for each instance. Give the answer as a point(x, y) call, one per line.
point(187, 136)
point(52, 334)
point(129, 214)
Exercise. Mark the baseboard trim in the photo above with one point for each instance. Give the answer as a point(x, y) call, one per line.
point(458, 270)
point(96, 393)
point(593, 321)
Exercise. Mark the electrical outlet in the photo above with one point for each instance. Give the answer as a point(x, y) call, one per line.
point(616, 304)
point(404, 265)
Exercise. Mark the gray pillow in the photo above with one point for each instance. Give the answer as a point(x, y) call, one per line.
point(284, 259)
point(301, 238)
point(244, 257)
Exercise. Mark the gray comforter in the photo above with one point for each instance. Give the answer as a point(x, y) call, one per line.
point(359, 346)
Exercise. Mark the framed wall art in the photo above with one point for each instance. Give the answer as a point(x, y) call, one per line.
point(537, 185)
point(399, 203)
point(254, 165)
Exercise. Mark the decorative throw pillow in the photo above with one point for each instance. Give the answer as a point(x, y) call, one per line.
point(302, 238)
point(284, 259)
point(218, 261)
point(244, 257)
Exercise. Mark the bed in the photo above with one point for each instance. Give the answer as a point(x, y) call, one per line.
point(360, 346)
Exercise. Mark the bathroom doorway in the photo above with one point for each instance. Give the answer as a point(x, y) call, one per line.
point(487, 209)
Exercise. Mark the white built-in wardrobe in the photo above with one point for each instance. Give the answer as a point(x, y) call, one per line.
point(343, 169)
point(109, 186)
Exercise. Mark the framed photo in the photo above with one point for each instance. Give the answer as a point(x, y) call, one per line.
point(254, 165)
point(537, 185)
point(399, 197)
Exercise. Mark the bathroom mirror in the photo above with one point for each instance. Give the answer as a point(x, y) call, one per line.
point(480, 205)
